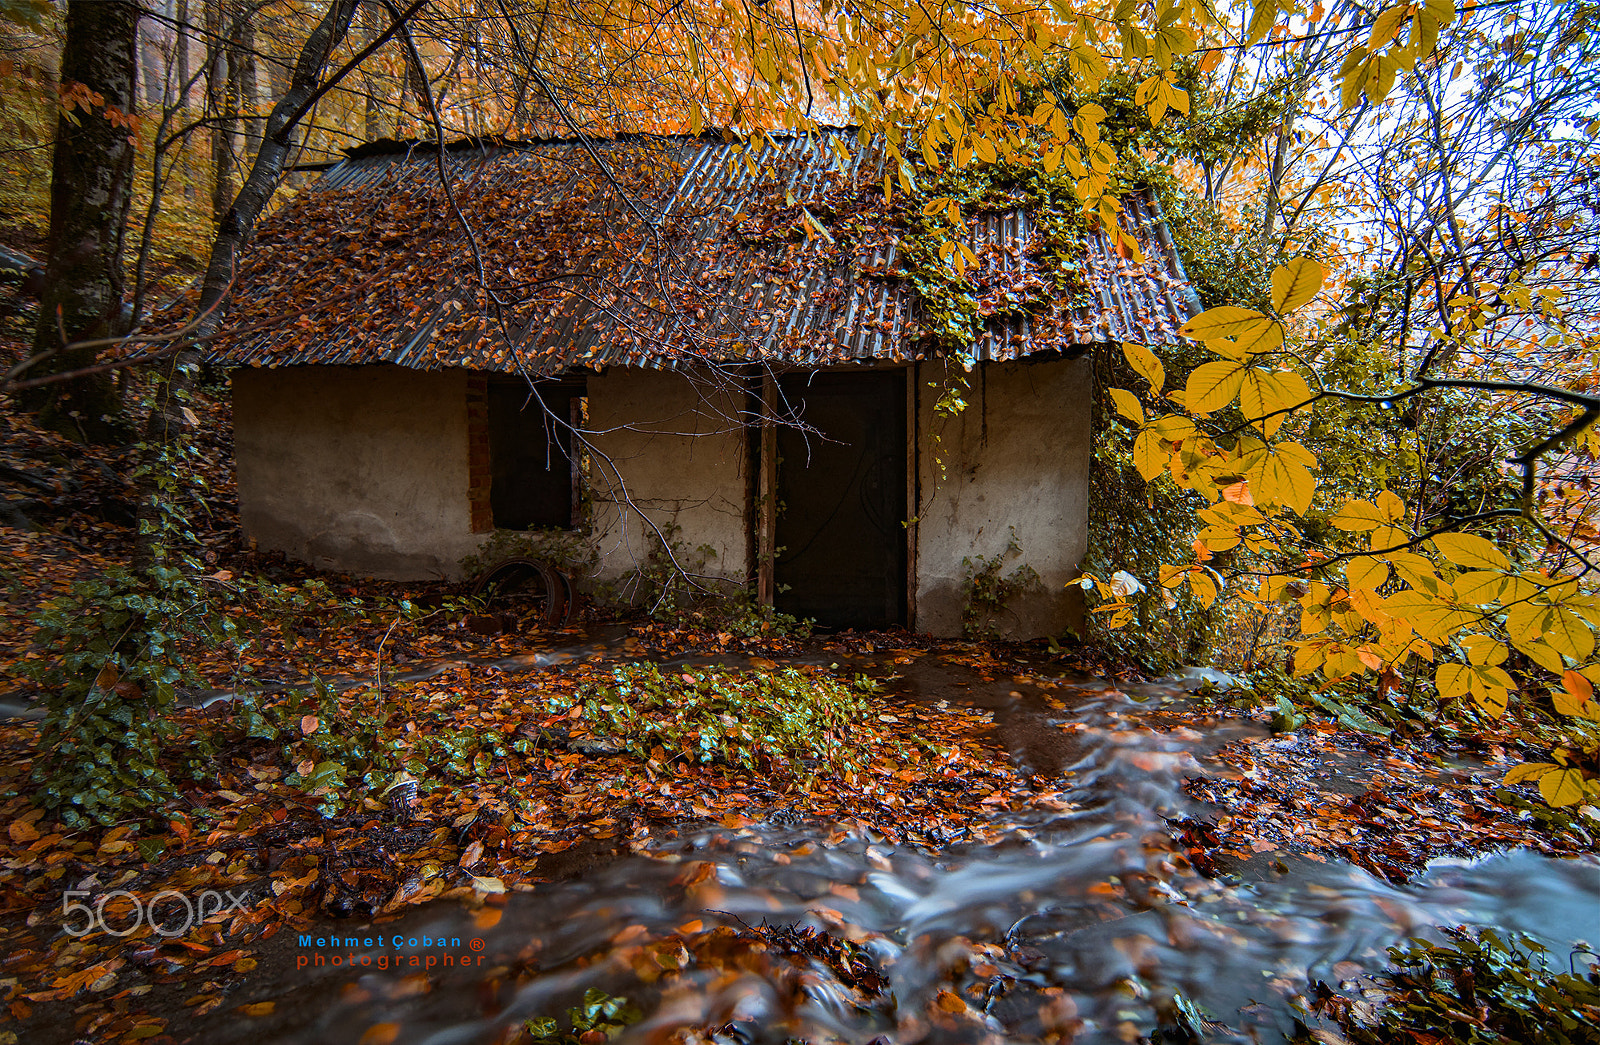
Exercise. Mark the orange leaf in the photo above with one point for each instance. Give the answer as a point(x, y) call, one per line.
point(260, 1008)
point(381, 1034)
point(309, 724)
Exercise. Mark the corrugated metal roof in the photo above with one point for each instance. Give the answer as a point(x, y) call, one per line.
point(371, 263)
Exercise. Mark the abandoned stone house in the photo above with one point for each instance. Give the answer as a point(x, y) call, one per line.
point(627, 336)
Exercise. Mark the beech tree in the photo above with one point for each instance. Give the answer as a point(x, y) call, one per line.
point(90, 191)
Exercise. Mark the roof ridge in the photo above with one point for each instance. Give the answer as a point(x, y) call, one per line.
point(717, 135)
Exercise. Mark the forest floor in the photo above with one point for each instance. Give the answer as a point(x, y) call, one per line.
point(524, 789)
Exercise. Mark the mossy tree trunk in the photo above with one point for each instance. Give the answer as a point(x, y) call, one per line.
point(90, 191)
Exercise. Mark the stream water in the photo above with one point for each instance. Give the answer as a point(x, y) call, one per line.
point(1083, 923)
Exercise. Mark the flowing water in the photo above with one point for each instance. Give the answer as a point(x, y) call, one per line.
point(1083, 923)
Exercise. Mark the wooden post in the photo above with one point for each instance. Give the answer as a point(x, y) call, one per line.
point(767, 516)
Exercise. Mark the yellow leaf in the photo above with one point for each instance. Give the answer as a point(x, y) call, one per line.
point(1575, 703)
point(1465, 549)
point(1224, 321)
point(1148, 456)
point(1482, 650)
point(1281, 475)
point(1417, 571)
point(1492, 699)
point(1267, 392)
point(1386, 25)
point(260, 1008)
point(1540, 653)
point(1205, 589)
point(1562, 787)
point(1366, 572)
point(1145, 362)
point(1453, 680)
point(1358, 516)
point(1391, 506)
point(1560, 628)
point(1213, 385)
point(1529, 771)
point(1479, 587)
point(1295, 283)
point(1127, 404)
point(1262, 18)
point(1385, 538)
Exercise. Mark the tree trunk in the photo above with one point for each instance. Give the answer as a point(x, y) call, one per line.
point(218, 107)
point(91, 188)
point(182, 53)
point(168, 420)
point(272, 159)
point(245, 86)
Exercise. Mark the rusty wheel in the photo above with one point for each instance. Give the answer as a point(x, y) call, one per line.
point(526, 588)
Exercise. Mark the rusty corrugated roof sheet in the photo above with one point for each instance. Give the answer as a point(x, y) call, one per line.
point(658, 253)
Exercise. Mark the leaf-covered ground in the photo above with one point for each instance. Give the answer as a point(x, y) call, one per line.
point(519, 784)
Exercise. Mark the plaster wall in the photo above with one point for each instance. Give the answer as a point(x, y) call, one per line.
point(1017, 456)
point(362, 470)
point(676, 441)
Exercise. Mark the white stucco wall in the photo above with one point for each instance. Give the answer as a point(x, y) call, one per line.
point(1018, 455)
point(365, 470)
point(678, 443)
point(357, 469)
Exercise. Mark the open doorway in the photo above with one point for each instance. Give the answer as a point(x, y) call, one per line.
point(840, 527)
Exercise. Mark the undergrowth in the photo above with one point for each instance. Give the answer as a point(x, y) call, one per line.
point(1476, 988)
point(786, 718)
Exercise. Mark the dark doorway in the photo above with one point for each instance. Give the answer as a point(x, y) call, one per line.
point(534, 482)
point(840, 530)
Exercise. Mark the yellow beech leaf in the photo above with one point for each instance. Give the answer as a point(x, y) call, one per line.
point(1127, 404)
point(1482, 650)
point(1492, 699)
point(1358, 516)
point(1213, 385)
point(1560, 628)
point(1266, 392)
point(1391, 506)
point(1465, 549)
point(1575, 703)
point(1145, 362)
point(1417, 571)
point(1366, 572)
point(1385, 538)
point(1224, 321)
point(1541, 653)
point(1295, 283)
point(1386, 25)
point(1453, 680)
point(1148, 456)
point(1205, 589)
point(1263, 16)
point(1529, 771)
point(1479, 587)
point(1562, 787)
point(1283, 476)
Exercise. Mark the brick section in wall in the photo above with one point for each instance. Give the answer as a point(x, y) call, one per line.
point(479, 473)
